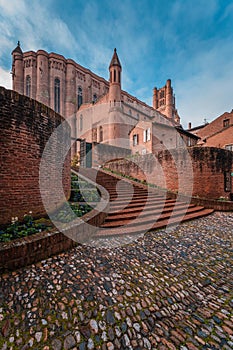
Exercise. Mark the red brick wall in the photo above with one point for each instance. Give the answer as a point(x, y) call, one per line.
point(26, 126)
point(208, 165)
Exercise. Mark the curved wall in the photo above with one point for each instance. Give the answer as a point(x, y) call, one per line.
point(25, 127)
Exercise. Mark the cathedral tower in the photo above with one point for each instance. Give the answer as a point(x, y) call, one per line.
point(115, 79)
point(164, 101)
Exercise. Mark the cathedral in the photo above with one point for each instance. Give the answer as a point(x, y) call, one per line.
point(97, 110)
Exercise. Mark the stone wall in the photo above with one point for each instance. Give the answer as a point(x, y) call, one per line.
point(26, 126)
point(179, 169)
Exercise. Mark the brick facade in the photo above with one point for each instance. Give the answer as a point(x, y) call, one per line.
point(218, 133)
point(73, 90)
point(26, 126)
point(152, 137)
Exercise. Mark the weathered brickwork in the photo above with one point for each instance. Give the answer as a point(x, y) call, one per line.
point(26, 126)
point(209, 166)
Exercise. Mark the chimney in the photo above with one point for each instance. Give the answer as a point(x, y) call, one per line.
point(190, 125)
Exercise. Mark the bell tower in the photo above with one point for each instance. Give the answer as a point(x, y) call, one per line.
point(115, 79)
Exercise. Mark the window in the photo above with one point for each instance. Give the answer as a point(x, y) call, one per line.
point(100, 134)
point(146, 135)
point(181, 141)
point(94, 135)
point(130, 112)
point(226, 123)
point(94, 98)
point(135, 139)
point(81, 123)
point(162, 102)
point(57, 95)
point(80, 96)
point(28, 86)
point(161, 95)
point(229, 147)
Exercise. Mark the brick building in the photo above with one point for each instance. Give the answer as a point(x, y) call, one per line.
point(98, 110)
point(218, 133)
point(153, 137)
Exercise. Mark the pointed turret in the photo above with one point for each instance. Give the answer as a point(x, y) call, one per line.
point(115, 79)
point(17, 50)
point(115, 60)
point(17, 69)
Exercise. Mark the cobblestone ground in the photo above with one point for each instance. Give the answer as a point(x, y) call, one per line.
point(168, 290)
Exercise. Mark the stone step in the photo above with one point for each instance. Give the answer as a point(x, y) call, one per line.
point(134, 211)
point(142, 198)
point(125, 192)
point(140, 210)
point(137, 229)
point(138, 201)
point(148, 217)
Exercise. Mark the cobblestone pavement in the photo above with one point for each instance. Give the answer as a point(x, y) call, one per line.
point(169, 290)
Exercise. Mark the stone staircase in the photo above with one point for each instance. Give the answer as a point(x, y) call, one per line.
point(135, 208)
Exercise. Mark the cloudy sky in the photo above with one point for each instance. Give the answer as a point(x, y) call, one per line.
point(188, 41)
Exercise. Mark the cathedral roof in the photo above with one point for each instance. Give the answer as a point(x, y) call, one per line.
point(17, 49)
point(115, 60)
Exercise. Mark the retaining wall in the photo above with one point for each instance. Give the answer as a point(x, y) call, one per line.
point(25, 127)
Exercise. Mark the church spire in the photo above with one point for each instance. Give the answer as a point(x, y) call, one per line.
point(115, 60)
point(115, 79)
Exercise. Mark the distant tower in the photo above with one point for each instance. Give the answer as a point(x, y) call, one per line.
point(115, 79)
point(17, 69)
point(164, 101)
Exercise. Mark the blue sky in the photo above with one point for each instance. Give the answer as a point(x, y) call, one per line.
point(187, 41)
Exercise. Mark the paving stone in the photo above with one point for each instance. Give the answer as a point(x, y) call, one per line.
point(110, 317)
point(56, 344)
point(69, 342)
point(171, 288)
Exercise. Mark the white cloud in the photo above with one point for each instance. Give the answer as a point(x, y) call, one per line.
point(152, 46)
point(5, 78)
point(35, 26)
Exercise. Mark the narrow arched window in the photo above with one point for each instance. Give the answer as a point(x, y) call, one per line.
point(114, 75)
point(100, 134)
point(81, 123)
point(28, 86)
point(94, 98)
point(80, 96)
point(57, 95)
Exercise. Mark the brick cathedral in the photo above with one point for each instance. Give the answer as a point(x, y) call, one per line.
point(74, 91)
